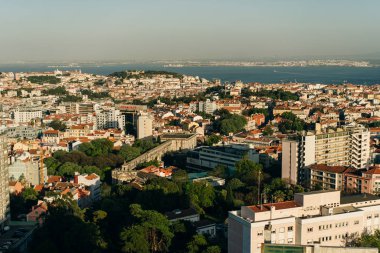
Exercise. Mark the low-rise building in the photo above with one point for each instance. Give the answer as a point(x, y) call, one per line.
point(207, 158)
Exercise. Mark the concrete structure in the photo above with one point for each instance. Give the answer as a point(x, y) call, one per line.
point(23, 132)
point(342, 178)
point(4, 178)
point(26, 115)
point(172, 142)
point(342, 147)
point(28, 166)
point(189, 214)
point(144, 125)
point(207, 106)
point(207, 158)
point(110, 119)
point(92, 182)
point(283, 248)
point(324, 218)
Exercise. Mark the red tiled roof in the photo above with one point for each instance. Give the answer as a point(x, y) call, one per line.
point(332, 169)
point(278, 206)
point(375, 170)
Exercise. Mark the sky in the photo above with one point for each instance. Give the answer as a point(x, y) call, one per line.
point(142, 30)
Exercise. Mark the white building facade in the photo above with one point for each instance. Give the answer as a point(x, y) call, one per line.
point(322, 218)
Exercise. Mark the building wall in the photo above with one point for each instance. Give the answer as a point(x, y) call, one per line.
point(319, 219)
point(289, 168)
point(4, 186)
point(144, 125)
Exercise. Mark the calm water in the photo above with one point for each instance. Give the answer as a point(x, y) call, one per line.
point(336, 75)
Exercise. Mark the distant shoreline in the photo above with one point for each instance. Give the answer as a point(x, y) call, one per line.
point(260, 74)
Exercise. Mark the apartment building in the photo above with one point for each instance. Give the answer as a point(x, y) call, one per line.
point(26, 115)
point(209, 157)
point(207, 106)
point(348, 146)
point(342, 178)
point(23, 132)
point(144, 125)
point(110, 119)
point(92, 182)
point(324, 217)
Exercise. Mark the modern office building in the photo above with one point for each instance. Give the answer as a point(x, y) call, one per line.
point(207, 158)
point(4, 181)
point(341, 147)
point(144, 125)
point(323, 218)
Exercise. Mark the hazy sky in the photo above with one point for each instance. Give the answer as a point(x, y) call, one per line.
point(78, 30)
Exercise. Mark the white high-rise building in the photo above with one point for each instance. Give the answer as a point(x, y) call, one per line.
point(144, 125)
point(323, 218)
point(4, 181)
point(348, 146)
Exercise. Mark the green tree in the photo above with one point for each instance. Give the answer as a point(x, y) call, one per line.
point(201, 194)
point(248, 171)
point(180, 176)
point(129, 153)
point(198, 243)
point(268, 131)
point(150, 233)
point(212, 139)
point(68, 169)
point(58, 125)
point(220, 171)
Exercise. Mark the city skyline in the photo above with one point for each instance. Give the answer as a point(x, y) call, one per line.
point(181, 30)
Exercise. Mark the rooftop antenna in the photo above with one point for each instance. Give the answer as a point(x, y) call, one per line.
point(259, 191)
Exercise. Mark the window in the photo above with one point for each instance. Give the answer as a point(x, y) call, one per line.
point(290, 240)
point(282, 230)
point(260, 233)
point(369, 217)
point(290, 228)
point(273, 231)
point(356, 222)
point(376, 215)
point(309, 229)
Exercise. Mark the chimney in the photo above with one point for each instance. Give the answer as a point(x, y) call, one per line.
point(75, 179)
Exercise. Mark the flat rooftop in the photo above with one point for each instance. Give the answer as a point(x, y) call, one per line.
point(315, 192)
point(347, 199)
point(345, 209)
point(176, 136)
point(278, 206)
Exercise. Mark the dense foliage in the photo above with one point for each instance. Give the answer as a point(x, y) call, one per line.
point(96, 156)
point(58, 91)
point(58, 125)
point(146, 74)
point(95, 95)
point(273, 94)
point(228, 123)
point(43, 79)
point(290, 122)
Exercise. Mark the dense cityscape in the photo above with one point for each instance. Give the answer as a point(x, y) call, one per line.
point(155, 161)
point(195, 126)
